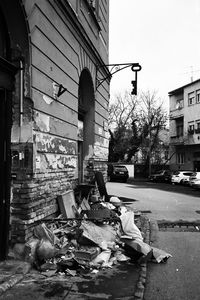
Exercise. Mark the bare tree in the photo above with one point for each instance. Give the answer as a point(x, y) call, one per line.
point(122, 110)
point(135, 122)
point(152, 118)
point(121, 115)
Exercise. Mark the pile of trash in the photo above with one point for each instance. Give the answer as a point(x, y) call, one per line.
point(97, 235)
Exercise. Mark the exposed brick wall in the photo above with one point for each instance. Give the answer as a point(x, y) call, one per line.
point(33, 200)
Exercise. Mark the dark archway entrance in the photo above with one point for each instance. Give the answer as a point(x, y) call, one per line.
point(7, 71)
point(86, 116)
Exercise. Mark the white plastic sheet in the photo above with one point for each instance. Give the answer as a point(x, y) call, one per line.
point(129, 227)
point(133, 237)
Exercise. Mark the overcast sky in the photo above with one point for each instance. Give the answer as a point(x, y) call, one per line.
point(163, 36)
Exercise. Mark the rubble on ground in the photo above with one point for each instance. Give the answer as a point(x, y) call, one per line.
point(90, 234)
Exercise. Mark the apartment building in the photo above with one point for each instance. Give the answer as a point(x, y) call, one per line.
point(185, 127)
point(54, 93)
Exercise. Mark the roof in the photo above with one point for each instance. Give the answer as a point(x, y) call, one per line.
point(180, 89)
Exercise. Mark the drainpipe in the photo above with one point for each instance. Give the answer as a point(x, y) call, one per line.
point(21, 108)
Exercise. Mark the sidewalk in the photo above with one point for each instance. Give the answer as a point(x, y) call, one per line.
point(13, 271)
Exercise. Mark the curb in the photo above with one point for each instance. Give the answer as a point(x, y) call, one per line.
point(140, 287)
point(14, 279)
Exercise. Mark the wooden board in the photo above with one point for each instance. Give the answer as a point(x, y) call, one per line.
point(67, 204)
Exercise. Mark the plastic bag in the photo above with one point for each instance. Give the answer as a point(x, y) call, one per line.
point(129, 227)
point(45, 250)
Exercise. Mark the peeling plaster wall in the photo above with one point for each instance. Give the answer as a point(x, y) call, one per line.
point(47, 161)
point(52, 144)
point(58, 53)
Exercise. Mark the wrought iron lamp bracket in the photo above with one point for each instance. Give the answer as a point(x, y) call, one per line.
point(135, 67)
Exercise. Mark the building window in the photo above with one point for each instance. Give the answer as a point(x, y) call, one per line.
point(191, 128)
point(179, 130)
point(197, 130)
point(180, 158)
point(198, 96)
point(191, 98)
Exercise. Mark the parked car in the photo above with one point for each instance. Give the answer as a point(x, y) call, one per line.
point(117, 173)
point(194, 180)
point(161, 176)
point(181, 177)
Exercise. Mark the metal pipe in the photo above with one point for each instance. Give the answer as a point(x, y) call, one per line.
point(21, 108)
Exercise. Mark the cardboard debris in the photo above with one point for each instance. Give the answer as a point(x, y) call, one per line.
point(87, 253)
point(102, 258)
point(98, 235)
point(85, 205)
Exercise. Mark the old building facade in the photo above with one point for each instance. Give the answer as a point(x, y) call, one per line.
point(185, 127)
point(54, 89)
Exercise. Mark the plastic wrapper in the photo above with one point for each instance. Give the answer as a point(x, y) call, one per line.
point(45, 250)
point(129, 227)
point(160, 255)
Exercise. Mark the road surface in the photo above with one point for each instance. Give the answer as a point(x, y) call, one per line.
point(179, 278)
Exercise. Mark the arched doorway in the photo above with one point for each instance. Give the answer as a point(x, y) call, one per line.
point(7, 71)
point(86, 115)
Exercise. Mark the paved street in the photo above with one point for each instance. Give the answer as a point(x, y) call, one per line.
point(165, 201)
point(178, 279)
